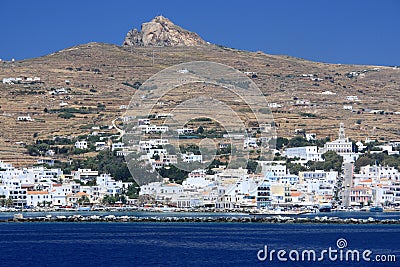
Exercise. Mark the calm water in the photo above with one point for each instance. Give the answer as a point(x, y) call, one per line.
point(183, 244)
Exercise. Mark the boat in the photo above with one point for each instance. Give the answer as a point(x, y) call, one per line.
point(278, 211)
point(84, 208)
point(67, 208)
point(325, 208)
point(98, 208)
point(376, 209)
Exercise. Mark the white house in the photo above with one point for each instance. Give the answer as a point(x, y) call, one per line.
point(81, 144)
point(118, 145)
point(9, 80)
point(85, 174)
point(388, 149)
point(36, 198)
point(250, 143)
point(59, 91)
point(191, 157)
point(311, 136)
point(12, 188)
point(143, 122)
point(154, 129)
point(24, 118)
point(58, 194)
point(319, 184)
point(100, 146)
point(305, 152)
point(183, 131)
point(196, 179)
point(242, 193)
point(347, 107)
point(352, 98)
point(47, 161)
point(168, 193)
point(378, 172)
point(360, 146)
point(164, 115)
point(274, 105)
point(328, 93)
point(106, 181)
point(274, 168)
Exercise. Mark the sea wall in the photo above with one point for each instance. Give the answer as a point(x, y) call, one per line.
point(226, 219)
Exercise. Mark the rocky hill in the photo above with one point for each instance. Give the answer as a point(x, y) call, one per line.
point(160, 31)
point(84, 89)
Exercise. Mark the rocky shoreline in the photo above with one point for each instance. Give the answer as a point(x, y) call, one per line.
point(221, 219)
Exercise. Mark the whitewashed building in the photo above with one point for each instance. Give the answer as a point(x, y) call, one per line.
point(183, 131)
point(81, 144)
point(306, 152)
point(37, 198)
point(24, 118)
point(191, 157)
point(154, 129)
point(274, 168)
point(106, 181)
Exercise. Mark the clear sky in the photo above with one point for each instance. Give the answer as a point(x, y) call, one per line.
point(341, 31)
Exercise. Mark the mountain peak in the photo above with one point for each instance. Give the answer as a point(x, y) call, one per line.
point(162, 19)
point(161, 31)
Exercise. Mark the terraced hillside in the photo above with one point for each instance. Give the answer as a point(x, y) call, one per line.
point(92, 81)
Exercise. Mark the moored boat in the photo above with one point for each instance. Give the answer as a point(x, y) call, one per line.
point(376, 209)
point(325, 208)
point(84, 208)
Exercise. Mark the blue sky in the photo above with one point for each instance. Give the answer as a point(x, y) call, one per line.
point(341, 31)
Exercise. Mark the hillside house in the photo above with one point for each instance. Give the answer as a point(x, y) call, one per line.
point(24, 118)
point(183, 131)
point(81, 144)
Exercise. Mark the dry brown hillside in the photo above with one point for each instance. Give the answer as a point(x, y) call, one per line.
point(99, 78)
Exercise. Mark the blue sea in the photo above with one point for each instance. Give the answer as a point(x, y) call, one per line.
point(189, 244)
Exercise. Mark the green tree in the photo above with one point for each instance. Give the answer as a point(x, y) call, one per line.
point(332, 162)
point(200, 130)
point(281, 142)
point(9, 202)
point(252, 166)
point(391, 161)
point(132, 191)
point(295, 168)
point(173, 173)
point(83, 200)
point(364, 160)
point(298, 141)
point(108, 199)
point(66, 115)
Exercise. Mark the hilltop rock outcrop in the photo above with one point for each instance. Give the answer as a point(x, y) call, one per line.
point(160, 31)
